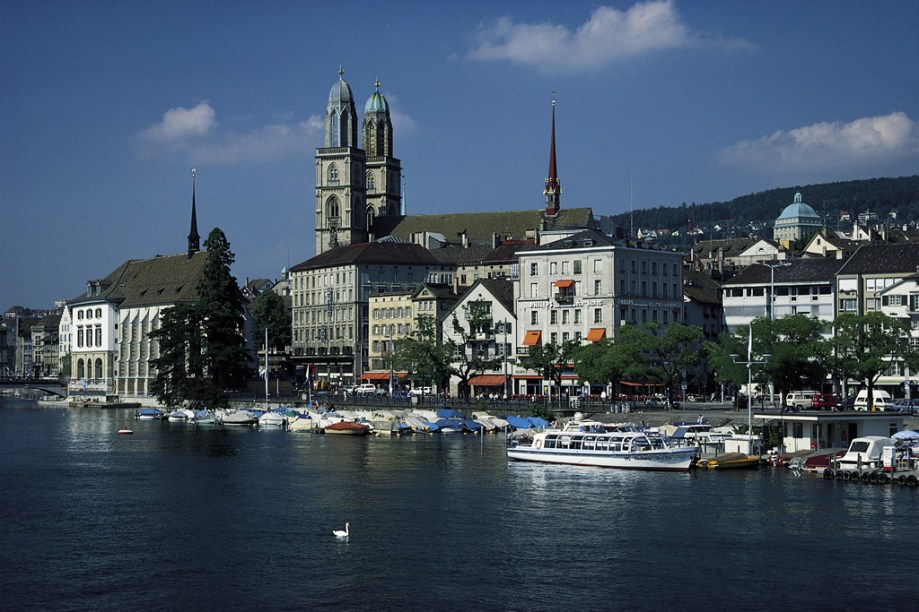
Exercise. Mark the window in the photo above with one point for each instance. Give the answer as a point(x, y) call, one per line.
point(80, 338)
point(566, 316)
point(333, 174)
point(534, 317)
point(333, 211)
point(598, 315)
point(98, 335)
point(577, 266)
point(371, 183)
point(564, 267)
point(598, 265)
point(598, 285)
point(553, 338)
point(577, 316)
point(534, 269)
point(553, 267)
point(534, 290)
point(553, 317)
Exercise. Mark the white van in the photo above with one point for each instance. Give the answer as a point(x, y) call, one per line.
point(881, 400)
point(799, 400)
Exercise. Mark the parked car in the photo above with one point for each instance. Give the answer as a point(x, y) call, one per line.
point(422, 391)
point(799, 399)
point(823, 401)
point(907, 405)
point(880, 400)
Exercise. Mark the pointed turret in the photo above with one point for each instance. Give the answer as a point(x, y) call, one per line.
point(553, 190)
point(194, 240)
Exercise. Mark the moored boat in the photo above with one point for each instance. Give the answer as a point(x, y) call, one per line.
point(272, 418)
point(729, 461)
point(181, 415)
point(632, 450)
point(148, 414)
point(349, 428)
point(236, 417)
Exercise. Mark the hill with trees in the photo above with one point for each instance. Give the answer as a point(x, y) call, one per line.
point(755, 213)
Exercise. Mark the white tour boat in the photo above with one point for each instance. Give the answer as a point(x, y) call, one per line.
point(631, 450)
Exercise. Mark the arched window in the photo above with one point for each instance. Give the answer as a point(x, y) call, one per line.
point(333, 209)
point(98, 368)
point(333, 174)
point(371, 183)
point(370, 217)
point(80, 369)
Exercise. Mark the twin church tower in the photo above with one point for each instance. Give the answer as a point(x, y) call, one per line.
point(355, 185)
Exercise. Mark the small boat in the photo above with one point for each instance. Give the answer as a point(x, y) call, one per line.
point(206, 417)
point(148, 413)
point(729, 461)
point(125, 431)
point(349, 428)
point(181, 415)
point(272, 419)
point(237, 417)
point(631, 450)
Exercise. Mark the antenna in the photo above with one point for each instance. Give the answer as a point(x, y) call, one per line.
point(631, 208)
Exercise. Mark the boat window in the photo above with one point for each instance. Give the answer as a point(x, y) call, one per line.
point(615, 447)
point(858, 447)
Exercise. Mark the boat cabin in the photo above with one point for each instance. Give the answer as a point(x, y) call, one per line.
point(822, 430)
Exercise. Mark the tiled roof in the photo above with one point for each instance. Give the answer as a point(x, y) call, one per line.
point(818, 269)
point(701, 288)
point(149, 282)
point(392, 253)
point(502, 289)
point(731, 247)
point(883, 258)
point(480, 226)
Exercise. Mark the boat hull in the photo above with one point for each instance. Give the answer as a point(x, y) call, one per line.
point(671, 460)
point(347, 429)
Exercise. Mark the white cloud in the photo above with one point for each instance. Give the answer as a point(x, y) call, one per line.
point(179, 123)
point(193, 133)
point(608, 35)
point(835, 146)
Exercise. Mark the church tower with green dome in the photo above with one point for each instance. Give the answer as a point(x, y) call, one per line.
point(799, 220)
point(341, 198)
point(384, 172)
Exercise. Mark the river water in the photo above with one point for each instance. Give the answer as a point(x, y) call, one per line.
point(180, 518)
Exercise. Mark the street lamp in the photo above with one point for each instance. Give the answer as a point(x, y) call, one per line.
point(770, 309)
point(750, 363)
point(391, 356)
point(504, 353)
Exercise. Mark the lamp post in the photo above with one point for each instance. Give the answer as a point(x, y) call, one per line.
point(770, 309)
point(750, 363)
point(391, 356)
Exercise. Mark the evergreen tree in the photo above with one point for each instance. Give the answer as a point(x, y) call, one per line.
point(178, 367)
point(219, 305)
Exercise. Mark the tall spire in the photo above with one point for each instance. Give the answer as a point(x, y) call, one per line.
point(194, 240)
point(553, 189)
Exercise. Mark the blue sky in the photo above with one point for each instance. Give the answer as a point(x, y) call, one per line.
point(106, 106)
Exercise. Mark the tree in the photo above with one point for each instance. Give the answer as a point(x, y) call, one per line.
point(179, 367)
point(220, 306)
point(866, 344)
point(270, 312)
point(550, 360)
point(794, 344)
point(606, 361)
point(421, 355)
point(470, 355)
point(669, 352)
point(201, 346)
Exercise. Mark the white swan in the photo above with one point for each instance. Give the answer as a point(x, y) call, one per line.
point(342, 533)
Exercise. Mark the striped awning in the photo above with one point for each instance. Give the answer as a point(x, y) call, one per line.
point(487, 380)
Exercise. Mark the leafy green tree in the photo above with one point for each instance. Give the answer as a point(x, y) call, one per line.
point(669, 352)
point(606, 361)
point(270, 312)
point(866, 344)
point(470, 357)
point(422, 355)
point(794, 344)
point(550, 360)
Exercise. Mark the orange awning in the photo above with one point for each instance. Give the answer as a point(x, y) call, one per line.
point(596, 333)
point(532, 337)
point(564, 284)
point(487, 380)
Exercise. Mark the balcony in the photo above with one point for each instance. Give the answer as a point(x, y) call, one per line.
point(564, 297)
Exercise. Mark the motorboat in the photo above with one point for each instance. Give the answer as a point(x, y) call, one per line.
point(302, 423)
point(272, 418)
point(348, 428)
point(181, 415)
point(206, 417)
point(632, 450)
point(125, 431)
point(148, 414)
point(236, 417)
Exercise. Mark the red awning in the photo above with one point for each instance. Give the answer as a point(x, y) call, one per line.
point(532, 337)
point(628, 383)
point(596, 333)
point(487, 380)
point(380, 375)
point(564, 284)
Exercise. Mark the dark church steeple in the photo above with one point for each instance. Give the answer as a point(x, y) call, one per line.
point(194, 240)
point(553, 190)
